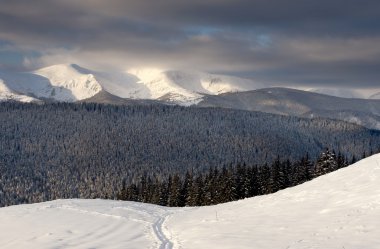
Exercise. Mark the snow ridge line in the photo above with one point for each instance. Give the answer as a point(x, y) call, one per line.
point(157, 229)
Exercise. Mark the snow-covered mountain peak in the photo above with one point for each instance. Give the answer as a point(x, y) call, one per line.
point(145, 74)
point(188, 87)
point(67, 76)
point(59, 82)
point(58, 70)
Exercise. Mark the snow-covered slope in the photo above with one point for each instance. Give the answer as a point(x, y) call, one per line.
point(60, 83)
point(68, 84)
point(337, 92)
point(358, 93)
point(7, 94)
point(81, 224)
point(188, 87)
point(375, 96)
point(339, 210)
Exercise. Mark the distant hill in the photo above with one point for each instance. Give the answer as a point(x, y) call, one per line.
point(285, 101)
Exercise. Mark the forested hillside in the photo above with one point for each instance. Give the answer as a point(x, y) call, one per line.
point(86, 150)
point(231, 183)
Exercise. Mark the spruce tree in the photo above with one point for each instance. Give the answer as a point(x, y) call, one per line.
point(326, 163)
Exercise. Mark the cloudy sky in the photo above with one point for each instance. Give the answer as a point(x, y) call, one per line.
point(326, 43)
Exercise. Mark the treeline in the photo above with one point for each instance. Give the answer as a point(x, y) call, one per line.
point(231, 183)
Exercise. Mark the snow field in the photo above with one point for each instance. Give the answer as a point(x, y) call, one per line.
point(338, 210)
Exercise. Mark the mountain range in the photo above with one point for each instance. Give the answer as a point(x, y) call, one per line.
point(72, 83)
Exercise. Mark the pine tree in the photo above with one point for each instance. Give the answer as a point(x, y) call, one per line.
point(341, 161)
point(326, 163)
point(186, 188)
point(278, 176)
point(175, 192)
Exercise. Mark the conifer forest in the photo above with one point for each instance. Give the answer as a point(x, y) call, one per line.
point(84, 150)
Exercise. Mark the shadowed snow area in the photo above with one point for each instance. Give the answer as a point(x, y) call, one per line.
point(339, 210)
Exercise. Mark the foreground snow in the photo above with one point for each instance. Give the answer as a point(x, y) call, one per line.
point(339, 210)
point(82, 224)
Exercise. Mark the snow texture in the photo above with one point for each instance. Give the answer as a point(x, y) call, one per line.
point(338, 210)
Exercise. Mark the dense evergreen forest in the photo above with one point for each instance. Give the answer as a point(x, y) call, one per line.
point(62, 150)
point(232, 183)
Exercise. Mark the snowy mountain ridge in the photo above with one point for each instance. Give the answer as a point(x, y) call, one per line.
point(66, 77)
point(69, 82)
point(59, 83)
point(338, 210)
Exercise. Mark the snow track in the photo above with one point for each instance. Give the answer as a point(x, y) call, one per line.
point(158, 231)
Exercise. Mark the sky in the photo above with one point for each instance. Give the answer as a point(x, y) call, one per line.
point(325, 43)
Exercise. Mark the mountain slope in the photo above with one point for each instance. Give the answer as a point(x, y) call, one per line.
point(337, 92)
point(293, 102)
point(57, 83)
point(339, 210)
point(6, 94)
point(68, 84)
point(188, 87)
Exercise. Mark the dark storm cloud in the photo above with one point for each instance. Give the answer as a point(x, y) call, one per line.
point(280, 42)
